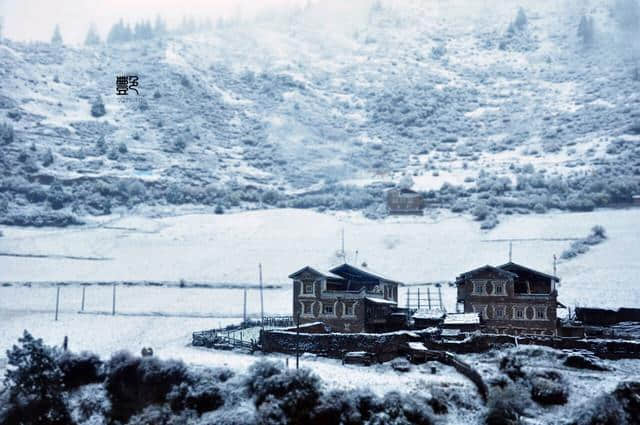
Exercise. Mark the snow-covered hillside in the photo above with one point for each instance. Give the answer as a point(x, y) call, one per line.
point(285, 109)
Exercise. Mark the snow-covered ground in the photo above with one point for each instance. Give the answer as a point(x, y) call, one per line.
point(228, 249)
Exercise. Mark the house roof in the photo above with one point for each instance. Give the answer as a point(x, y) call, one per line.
point(492, 268)
point(462, 319)
point(347, 271)
point(512, 265)
point(429, 313)
point(311, 270)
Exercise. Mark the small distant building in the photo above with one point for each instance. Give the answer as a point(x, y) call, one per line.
point(428, 317)
point(465, 322)
point(636, 200)
point(345, 298)
point(404, 202)
point(511, 299)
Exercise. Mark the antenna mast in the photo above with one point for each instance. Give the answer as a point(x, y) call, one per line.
point(261, 297)
point(510, 250)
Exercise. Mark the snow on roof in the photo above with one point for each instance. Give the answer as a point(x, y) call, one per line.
point(417, 346)
point(380, 300)
point(429, 313)
point(462, 319)
point(365, 271)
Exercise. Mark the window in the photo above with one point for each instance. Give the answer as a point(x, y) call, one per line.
point(499, 289)
point(499, 312)
point(307, 308)
point(327, 308)
point(540, 314)
point(519, 314)
point(307, 288)
point(348, 309)
point(477, 287)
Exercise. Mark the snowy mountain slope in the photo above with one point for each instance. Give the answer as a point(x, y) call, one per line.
point(254, 113)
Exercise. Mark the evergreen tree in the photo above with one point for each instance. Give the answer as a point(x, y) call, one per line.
point(119, 33)
point(92, 38)
point(586, 30)
point(160, 27)
point(35, 384)
point(57, 37)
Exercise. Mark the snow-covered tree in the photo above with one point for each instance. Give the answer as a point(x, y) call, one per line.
point(586, 30)
point(92, 38)
point(406, 182)
point(521, 19)
point(57, 37)
point(160, 26)
point(120, 33)
point(97, 107)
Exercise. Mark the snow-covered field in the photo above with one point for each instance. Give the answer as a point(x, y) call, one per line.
point(228, 248)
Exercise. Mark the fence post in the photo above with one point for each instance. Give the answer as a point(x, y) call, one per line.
point(113, 304)
point(82, 305)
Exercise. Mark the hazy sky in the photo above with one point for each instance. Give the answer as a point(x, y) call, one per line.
point(35, 19)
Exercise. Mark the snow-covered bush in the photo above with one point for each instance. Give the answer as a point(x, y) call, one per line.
point(481, 211)
point(505, 406)
point(547, 392)
point(97, 107)
point(134, 382)
point(47, 158)
point(7, 135)
point(201, 396)
point(597, 235)
point(80, 369)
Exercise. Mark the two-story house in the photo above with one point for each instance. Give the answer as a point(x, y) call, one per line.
point(345, 298)
point(510, 299)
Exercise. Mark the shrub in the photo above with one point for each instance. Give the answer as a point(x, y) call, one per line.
point(581, 362)
point(505, 406)
point(134, 383)
point(546, 392)
point(203, 396)
point(481, 211)
point(97, 107)
point(80, 369)
point(47, 158)
point(291, 394)
point(219, 209)
point(122, 148)
point(539, 208)
point(7, 135)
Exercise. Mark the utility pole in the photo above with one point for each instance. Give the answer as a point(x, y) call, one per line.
point(244, 307)
point(418, 298)
point(510, 250)
point(440, 297)
point(298, 341)
point(408, 298)
point(57, 300)
point(555, 261)
point(429, 296)
point(261, 298)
